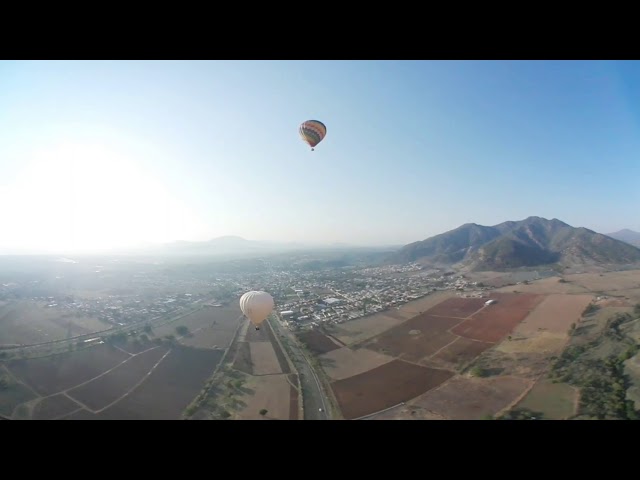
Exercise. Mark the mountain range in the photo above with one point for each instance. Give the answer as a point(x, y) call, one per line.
point(534, 241)
point(627, 236)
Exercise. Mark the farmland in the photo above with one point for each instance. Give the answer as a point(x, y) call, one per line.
point(465, 398)
point(482, 360)
point(606, 282)
point(107, 381)
point(599, 369)
point(209, 327)
point(500, 279)
point(13, 393)
point(457, 307)
point(424, 353)
point(318, 343)
point(346, 362)
point(551, 285)
point(263, 359)
point(405, 412)
point(255, 381)
point(51, 375)
point(622, 285)
point(385, 386)
point(169, 388)
point(544, 332)
point(268, 386)
point(23, 322)
point(494, 323)
point(109, 387)
point(556, 313)
point(593, 376)
point(53, 407)
point(270, 393)
point(556, 347)
point(364, 328)
point(459, 353)
point(415, 307)
point(552, 401)
point(415, 339)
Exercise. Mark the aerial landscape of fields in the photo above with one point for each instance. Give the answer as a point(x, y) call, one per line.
point(256, 381)
point(319, 240)
point(535, 351)
point(152, 375)
point(462, 359)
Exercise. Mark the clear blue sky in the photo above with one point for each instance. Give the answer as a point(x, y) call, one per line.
point(107, 153)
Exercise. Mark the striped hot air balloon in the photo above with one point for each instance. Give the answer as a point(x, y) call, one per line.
point(312, 132)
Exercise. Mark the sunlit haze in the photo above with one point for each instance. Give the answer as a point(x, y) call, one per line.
point(103, 154)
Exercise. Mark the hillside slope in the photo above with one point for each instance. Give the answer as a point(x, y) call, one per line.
point(531, 242)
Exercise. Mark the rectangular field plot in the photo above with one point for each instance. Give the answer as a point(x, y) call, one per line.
point(384, 387)
point(608, 281)
point(133, 346)
point(459, 353)
point(242, 359)
point(536, 342)
point(27, 322)
point(107, 388)
point(13, 394)
point(53, 407)
point(282, 358)
point(82, 415)
point(169, 389)
point(208, 326)
point(464, 398)
point(57, 373)
point(421, 305)
point(494, 322)
point(518, 301)
point(415, 339)
point(208, 337)
point(317, 342)
point(345, 362)
point(457, 307)
point(272, 393)
point(360, 329)
point(556, 313)
point(555, 401)
point(263, 359)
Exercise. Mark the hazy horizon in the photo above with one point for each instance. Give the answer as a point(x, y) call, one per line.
point(98, 155)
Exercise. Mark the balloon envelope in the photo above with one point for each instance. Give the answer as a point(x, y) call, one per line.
point(256, 306)
point(312, 132)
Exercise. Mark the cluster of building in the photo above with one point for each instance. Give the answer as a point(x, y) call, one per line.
point(303, 298)
point(118, 310)
point(369, 291)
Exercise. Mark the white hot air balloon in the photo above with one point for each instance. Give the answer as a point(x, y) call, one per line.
point(256, 306)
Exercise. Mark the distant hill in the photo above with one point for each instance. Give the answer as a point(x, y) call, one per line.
point(220, 246)
point(627, 236)
point(531, 242)
point(232, 245)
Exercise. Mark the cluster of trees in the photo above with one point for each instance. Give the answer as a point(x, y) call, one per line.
point(603, 390)
point(602, 381)
point(591, 308)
